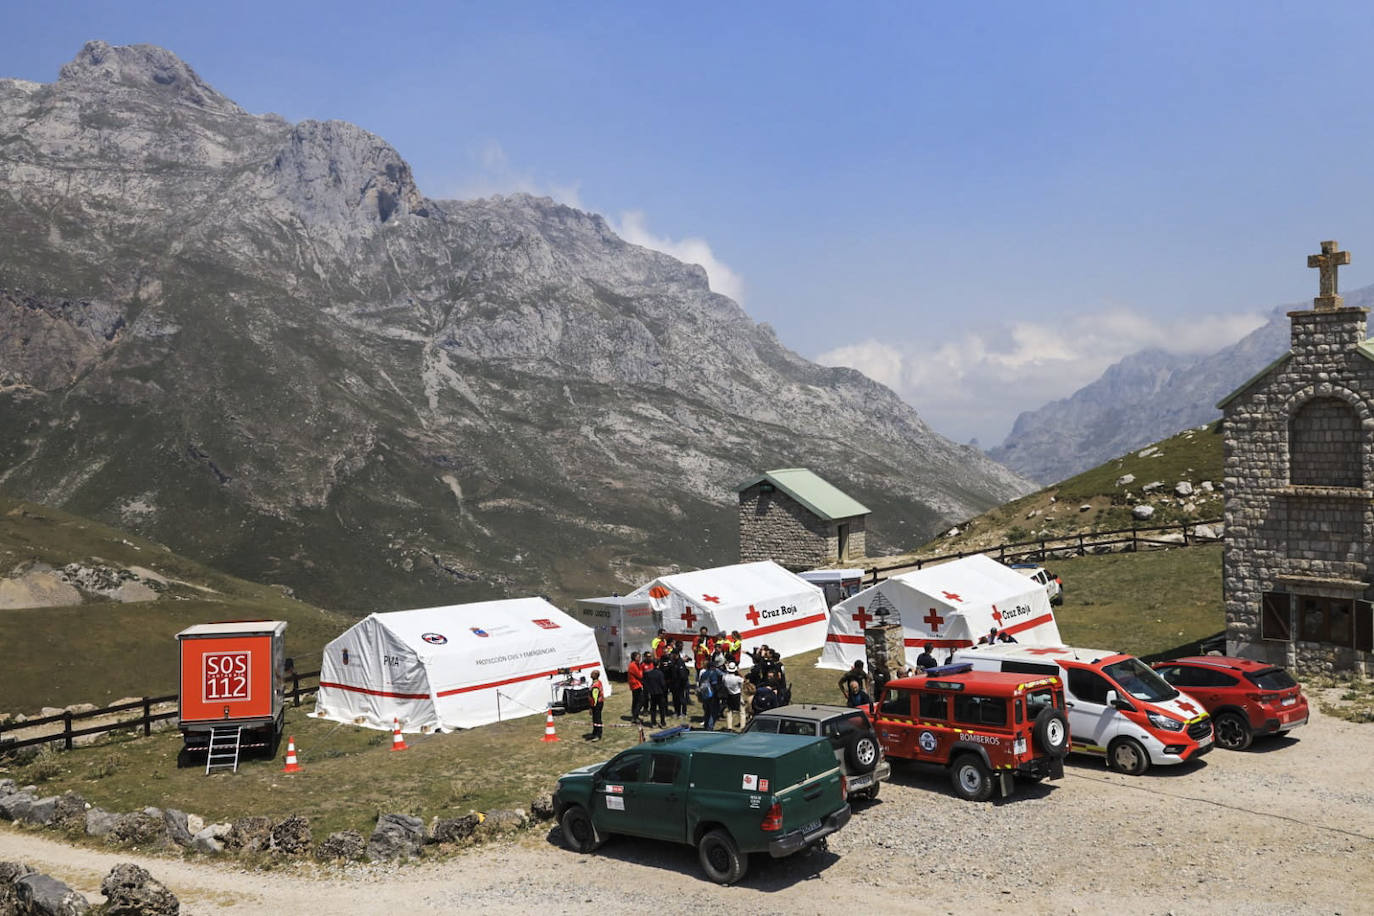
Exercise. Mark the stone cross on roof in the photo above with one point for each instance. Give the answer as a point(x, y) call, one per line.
point(1327, 262)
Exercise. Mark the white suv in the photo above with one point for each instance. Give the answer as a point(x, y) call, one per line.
point(1053, 586)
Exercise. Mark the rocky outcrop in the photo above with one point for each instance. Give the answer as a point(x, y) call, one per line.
point(396, 836)
point(131, 891)
point(344, 845)
point(434, 400)
point(291, 836)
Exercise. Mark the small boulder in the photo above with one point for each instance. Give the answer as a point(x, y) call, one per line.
point(43, 895)
point(178, 827)
point(48, 711)
point(1207, 532)
point(211, 838)
point(1205, 486)
point(541, 809)
point(250, 834)
point(292, 836)
point(77, 708)
point(42, 812)
point(10, 872)
point(195, 823)
point(346, 844)
point(1142, 512)
point(17, 804)
point(8, 787)
point(131, 891)
point(1125, 479)
point(138, 829)
point(454, 829)
point(1152, 486)
point(100, 822)
point(1183, 488)
point(503, 820)
point(952, 533)
point(1085, 507)
point(396, 836)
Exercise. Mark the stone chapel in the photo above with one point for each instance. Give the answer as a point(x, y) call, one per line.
point(1298, 560)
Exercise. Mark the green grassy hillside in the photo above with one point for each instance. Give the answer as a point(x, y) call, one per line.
point(1093, 501)
point(103, 650)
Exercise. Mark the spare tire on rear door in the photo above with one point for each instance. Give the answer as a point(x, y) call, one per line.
point(1051, 732)
point(861, 753)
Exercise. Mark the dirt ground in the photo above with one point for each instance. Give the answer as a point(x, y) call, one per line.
point(1287, 827)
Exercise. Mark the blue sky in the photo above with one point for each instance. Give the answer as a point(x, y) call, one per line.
point(981, 205)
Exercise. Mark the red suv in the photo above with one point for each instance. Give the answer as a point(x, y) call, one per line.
point(1246, 698)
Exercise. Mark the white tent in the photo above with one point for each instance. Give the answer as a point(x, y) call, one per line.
point(461, 666)
point(951, 605)
point(766, 603)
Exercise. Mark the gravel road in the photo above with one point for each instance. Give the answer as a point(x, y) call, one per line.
point(1287, 827)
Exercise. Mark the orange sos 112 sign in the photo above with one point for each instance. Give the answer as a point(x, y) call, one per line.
point(226, 676)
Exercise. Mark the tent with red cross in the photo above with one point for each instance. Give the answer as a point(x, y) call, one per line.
point(952, 605)
point(766, 603)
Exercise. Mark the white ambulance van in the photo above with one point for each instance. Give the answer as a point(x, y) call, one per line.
point(1118, 706)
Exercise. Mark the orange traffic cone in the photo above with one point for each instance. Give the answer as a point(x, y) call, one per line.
point(549, 734)
point(397, 742)
point(291, 765)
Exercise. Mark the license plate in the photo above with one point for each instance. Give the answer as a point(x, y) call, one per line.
point(1205, 742)
point(1289, 701)
point(814, 825)
point(861, 782)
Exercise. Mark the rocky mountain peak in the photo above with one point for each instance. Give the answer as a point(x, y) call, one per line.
point(336, 172)
point(142, 67)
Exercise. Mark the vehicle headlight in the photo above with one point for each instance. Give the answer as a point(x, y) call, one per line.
point(1168, 723)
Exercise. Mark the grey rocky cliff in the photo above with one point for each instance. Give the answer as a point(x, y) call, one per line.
point(298, 367)
point(1145, 397)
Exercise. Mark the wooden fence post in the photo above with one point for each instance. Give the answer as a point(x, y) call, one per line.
point(295, 688)
point(1082, 551)
point(67, 730)
point(1183, 527)
point(147, 717)
point(1135, 539)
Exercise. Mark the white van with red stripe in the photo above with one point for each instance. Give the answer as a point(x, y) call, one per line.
point(1119, 707)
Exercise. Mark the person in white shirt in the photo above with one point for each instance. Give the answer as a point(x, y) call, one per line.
point(734, 685)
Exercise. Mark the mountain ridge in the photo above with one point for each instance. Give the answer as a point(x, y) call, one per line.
point(260, 343)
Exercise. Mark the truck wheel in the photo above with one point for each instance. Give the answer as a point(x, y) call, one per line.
point(1233, 732)
point(862, 754)
point(1051, 732)
point(971, 778)
point(579, 833)
point(720, 858)
point(1127, 756)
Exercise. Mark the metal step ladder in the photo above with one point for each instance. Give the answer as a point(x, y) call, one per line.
point(224, 748)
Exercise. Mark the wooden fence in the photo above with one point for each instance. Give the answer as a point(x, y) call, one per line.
point(144, 721)
point(1133, 538)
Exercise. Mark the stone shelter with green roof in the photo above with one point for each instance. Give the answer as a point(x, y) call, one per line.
point(798, 520)
point(1298, 561)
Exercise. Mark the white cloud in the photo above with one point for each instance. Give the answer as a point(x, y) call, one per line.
point(491, 172)
point(975, 384)
point(633, 228)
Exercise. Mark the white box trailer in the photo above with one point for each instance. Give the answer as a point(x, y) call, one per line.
point(622, 624)
point(838, 584)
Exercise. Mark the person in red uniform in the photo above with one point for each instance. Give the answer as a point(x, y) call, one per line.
point(598, 699)
point(635, 675)
point(702, 647)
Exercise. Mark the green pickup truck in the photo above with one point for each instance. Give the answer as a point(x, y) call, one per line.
point(727, 795)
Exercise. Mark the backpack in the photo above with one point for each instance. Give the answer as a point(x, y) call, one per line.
point(704, 688)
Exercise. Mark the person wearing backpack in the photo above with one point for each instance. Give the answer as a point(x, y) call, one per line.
point(854, 684)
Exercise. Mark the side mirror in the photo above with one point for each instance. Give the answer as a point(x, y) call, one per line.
point(1117, 703)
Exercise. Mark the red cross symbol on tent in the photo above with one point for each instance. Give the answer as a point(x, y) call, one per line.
point(950, 596)
point(934, 619)
point(689, 618)
point(711, 598)
point(996, 615)
point(1048, 651)
point(1187, 707)
point(752, 616)
point(862, 618)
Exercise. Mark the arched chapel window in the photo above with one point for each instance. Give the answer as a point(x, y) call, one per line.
point(1324, 445)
